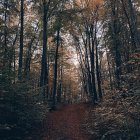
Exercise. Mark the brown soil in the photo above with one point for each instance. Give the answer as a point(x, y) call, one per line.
point(67, 123)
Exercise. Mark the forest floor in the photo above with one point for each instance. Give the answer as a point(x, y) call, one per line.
point(116, 117)
point(67, 123)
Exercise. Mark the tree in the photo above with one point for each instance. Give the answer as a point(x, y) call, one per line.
point(88, 31)
point(132, 22)
point(44, 74)
point(21, 41)
point(56, 61)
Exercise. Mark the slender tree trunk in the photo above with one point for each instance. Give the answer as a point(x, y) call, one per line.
point(131, 18)
point(98, 72)
point(28, 60)
point(12, 58)
point(88, 72)
point(56, 67)
point(81, 62)
point(109, 70)
point(48, 87)
point(5, 36)
point(116, 42)
point(60, 87)
point(44, 71)
point(133, 22)
point(93, 64)
point(21, 41)
point(29, 56)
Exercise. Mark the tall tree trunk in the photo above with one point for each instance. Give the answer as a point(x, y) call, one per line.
point(109, 70)
point(93, 63)
point(132, 22)
point(56, 67)
point(29, 56)
point(116, 41)
point(21, 40)
point(28, 61)
point(5, 36)
point(98, 72)
point(88, 70)
point(44, 71)
point(13, 57)
point(82, 66)
point(60, 87)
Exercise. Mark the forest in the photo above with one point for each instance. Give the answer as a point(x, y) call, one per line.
point(69, 70)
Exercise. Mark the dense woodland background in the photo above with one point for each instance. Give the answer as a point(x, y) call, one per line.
point(55, 52)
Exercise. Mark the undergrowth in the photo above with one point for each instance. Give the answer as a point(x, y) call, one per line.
point(20, 115)
point(118, 116)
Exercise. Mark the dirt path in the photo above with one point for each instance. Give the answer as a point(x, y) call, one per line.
point(66, 124)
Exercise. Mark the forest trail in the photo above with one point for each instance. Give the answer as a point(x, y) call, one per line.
point(67, 123)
